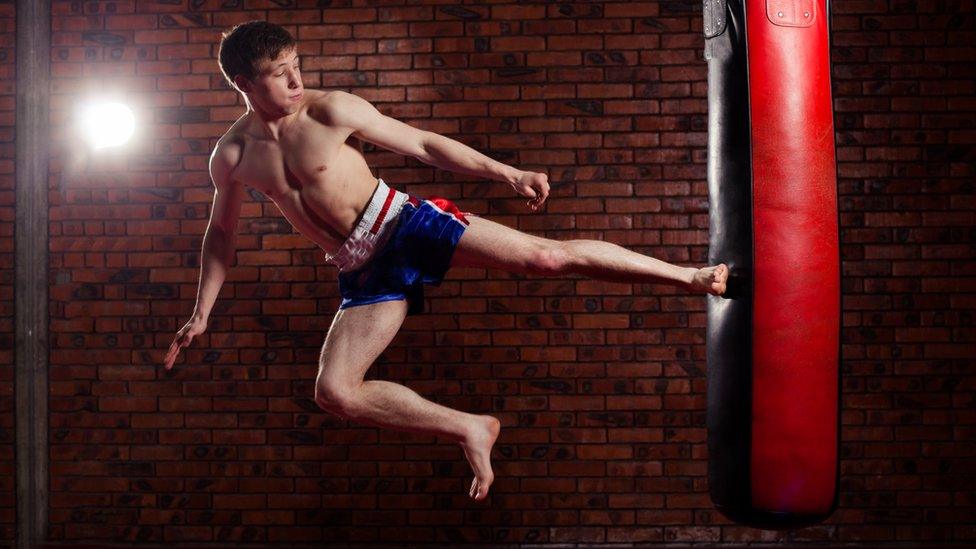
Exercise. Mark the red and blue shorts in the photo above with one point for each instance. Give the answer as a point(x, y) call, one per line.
point(401, 243)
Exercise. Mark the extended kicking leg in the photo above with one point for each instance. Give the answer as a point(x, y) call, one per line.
point(357, 337)
point(489, 244)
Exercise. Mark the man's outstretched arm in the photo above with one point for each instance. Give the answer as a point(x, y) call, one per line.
point(218, 246)
point(347, 110)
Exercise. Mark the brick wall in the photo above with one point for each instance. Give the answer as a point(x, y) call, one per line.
point(600, 387)
point(905, 112)
point(8, 478)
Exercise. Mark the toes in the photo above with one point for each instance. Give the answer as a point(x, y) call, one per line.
point(479, 490)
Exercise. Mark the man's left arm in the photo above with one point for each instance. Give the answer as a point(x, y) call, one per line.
point(367, 123)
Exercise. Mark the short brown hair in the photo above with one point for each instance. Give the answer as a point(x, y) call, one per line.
point(244, 45)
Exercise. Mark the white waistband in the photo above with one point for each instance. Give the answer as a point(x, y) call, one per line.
point(374, 228)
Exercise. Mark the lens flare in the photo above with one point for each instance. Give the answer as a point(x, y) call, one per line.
point(107, 124)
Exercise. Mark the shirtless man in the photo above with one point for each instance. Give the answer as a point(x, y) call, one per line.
point(292, 144)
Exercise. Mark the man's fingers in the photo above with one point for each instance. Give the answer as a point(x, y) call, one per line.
point(173, 354)
point(537, 191)
point(542, 191)
point(538, 200)
point(168, 361)
point(181, 341)
point(174, 350)
point(170, 351)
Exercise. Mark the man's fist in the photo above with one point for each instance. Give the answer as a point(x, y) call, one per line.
point(190, 330)
point(534, 185)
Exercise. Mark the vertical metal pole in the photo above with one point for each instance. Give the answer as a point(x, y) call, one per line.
point(31, 268)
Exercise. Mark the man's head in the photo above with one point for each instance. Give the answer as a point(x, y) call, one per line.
point(261, 60)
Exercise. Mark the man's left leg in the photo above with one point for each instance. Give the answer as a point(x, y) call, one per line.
point(486, 243)
point(356, 338)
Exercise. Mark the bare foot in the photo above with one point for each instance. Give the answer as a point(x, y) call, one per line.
point(711, 279)
point(477, 448)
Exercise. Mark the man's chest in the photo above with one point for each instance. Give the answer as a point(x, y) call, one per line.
point(296, 160)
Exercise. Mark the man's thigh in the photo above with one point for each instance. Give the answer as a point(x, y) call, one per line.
point(486, 243)
point(355, 340)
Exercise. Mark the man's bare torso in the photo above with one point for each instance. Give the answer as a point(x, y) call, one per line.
point(319, 181)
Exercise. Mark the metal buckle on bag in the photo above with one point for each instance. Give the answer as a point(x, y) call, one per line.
point(713, 17)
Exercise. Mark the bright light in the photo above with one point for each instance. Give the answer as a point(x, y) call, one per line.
point(107, 124)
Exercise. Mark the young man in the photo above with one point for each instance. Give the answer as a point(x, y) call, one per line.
point(292, 145)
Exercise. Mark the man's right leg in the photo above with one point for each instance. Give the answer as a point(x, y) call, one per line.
point(356, 338)
point(486, 243)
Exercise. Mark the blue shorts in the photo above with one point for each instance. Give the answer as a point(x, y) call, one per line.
point(416, 250)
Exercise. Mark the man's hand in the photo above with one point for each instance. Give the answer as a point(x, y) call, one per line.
point(535, 186)
point(191, 329)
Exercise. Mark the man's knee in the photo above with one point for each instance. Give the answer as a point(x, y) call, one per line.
point(550, 258)
point(336, 397)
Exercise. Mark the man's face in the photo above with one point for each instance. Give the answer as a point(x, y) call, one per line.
point(277, 86)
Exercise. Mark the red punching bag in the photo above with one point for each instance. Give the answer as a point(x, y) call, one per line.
point(773, 340)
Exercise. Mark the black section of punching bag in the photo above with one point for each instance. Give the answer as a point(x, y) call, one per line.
point(729, 318)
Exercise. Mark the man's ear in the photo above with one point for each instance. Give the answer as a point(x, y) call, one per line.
point(242, 83)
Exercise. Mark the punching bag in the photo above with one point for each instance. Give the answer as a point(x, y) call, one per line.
point(773, 340)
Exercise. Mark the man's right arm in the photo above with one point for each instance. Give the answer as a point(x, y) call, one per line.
point(218, 245)
point(219, 242)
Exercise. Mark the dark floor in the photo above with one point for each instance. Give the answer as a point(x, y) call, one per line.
point(889, 545)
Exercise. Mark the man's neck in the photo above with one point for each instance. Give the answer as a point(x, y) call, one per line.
point(269, 124)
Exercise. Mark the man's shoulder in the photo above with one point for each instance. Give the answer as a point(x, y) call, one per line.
point(328, 107)
point(325, 97)
point(227, 154)
point(228, 146)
